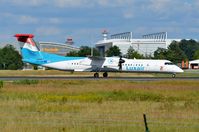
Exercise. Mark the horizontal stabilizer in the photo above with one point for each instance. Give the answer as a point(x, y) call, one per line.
point(23, 37)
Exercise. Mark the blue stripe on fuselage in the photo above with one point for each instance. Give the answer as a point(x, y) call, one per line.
point(39, 57)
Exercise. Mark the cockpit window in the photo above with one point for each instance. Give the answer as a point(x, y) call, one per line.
point(168, 63)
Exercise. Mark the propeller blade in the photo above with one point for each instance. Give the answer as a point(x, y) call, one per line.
point(120, 63)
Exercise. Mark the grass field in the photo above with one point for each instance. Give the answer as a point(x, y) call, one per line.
point(99, 105)
point(64, 73)
point(187, 73)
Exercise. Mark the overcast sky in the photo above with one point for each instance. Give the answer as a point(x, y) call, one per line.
point(84, 20)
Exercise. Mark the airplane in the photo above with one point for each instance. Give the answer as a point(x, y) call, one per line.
point(33, 55)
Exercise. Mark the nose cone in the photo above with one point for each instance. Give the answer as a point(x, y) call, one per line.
point(179, 70)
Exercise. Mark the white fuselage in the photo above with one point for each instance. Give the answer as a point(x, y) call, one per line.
point(110, 64)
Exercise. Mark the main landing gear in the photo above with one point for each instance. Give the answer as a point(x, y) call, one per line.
point(105, 74)
point(96, 75)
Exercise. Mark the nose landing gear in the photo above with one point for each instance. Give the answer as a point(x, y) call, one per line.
point(173, 75)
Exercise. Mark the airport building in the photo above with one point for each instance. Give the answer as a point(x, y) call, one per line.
point(58, 48)
point(146, 46)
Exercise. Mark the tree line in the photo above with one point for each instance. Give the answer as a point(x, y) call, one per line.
point(178, 51)
point(112, 51)
point(84, 51)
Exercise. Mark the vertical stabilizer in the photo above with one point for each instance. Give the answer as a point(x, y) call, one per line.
point(29, 49)
point(27, 41)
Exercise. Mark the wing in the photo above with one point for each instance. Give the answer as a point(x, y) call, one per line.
point(93, 61)
point(96, 58)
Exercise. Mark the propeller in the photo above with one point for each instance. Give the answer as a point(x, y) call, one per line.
point(121, 61)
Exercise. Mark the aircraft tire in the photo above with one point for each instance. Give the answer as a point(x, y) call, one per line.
point(105, 74)
point(96, 75)
point(173, 75)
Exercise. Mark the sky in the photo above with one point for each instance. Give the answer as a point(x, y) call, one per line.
point(84, 20)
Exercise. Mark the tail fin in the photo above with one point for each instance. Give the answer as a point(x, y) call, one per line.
point(27, 41)
point(29, 49)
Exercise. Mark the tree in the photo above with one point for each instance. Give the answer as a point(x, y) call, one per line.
point(160, 53)
point(10, 58)
point(175, 53)
point(113, 51)
point(131, 54)
point(84, 51)
point(189, 47)
point(196, 55)
point(72, 53)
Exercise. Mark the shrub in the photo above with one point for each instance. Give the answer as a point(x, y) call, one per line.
point(26, 81)
point(1, 84)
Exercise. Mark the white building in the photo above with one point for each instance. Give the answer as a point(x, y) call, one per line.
point(146, 46)
point(194, 64)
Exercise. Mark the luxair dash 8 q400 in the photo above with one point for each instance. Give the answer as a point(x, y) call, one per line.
point(32, 54)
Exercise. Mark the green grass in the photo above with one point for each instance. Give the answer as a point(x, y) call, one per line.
point(1, 84)
point(187, 73)
point(26, 82)
point(64, 105)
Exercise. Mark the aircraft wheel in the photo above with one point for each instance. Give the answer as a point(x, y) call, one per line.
point(105, 74)
point(96, 75)
point(173, 75)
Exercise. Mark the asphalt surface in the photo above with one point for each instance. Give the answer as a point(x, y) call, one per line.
point(9, 78)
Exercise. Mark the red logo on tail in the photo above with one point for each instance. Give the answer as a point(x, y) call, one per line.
point(25, 38)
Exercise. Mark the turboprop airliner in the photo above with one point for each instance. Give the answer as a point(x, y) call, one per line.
point(32, 54)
